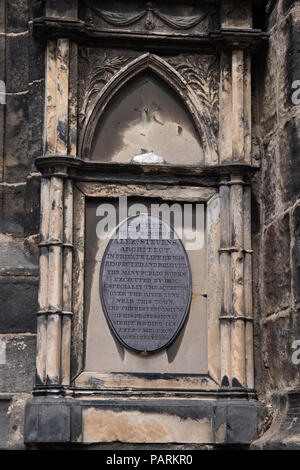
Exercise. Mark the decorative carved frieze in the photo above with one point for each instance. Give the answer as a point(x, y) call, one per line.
point(149, 16)
point(166, 25)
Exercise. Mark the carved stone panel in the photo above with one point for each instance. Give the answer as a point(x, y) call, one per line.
point(151, 17)
point(202, 73)
point(96, 67)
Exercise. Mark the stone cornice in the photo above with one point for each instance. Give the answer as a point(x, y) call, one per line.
point(82, 32)
point(67, 166)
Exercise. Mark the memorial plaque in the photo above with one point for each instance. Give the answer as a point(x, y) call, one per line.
point(145, 284)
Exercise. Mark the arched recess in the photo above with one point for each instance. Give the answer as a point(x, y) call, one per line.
point(165, 72)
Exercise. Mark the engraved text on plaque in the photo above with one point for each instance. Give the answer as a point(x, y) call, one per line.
point(145, 284)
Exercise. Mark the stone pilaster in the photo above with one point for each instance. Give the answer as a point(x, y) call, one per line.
point(235, 244)
point(55, 293)
point(235, 107)
point(236, 272)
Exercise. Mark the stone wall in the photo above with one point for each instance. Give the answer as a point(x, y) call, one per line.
point(275, 201)
point(276, 207)
point(21, 122)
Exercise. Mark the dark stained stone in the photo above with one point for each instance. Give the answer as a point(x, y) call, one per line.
point(17, 63)
point(16, 138)
point(2, 58)
point(18, 300)
point(36, 57)
point(255, 212)
point(4, 420)
point(17, 374)
point(20, 208)
point(287, 4)
point(277, 275)
point(289, 148)
point(36, 121)
point(32, 206)
point(12, 200)
point(2, 17)
point(268, 93)
point(63, 8)
point(272, 17)
point(270, 185)
point(17, 15)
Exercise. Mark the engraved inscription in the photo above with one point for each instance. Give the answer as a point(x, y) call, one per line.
point(145, 284)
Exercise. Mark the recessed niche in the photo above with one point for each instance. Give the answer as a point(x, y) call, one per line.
point(147, 118)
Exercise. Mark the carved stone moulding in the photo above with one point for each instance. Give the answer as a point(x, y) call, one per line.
point(67, 166)
point(148, 16)
point(150, 25)
point(211, 41)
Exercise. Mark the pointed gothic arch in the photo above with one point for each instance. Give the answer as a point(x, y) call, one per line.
point(163, 70)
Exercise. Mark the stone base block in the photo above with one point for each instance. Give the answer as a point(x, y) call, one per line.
point(142, 421)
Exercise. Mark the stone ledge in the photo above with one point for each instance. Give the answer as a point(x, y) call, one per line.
point(185, 421)
point(5, 396)
point(78, 30)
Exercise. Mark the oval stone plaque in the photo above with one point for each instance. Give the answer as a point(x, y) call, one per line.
point(145, 284)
